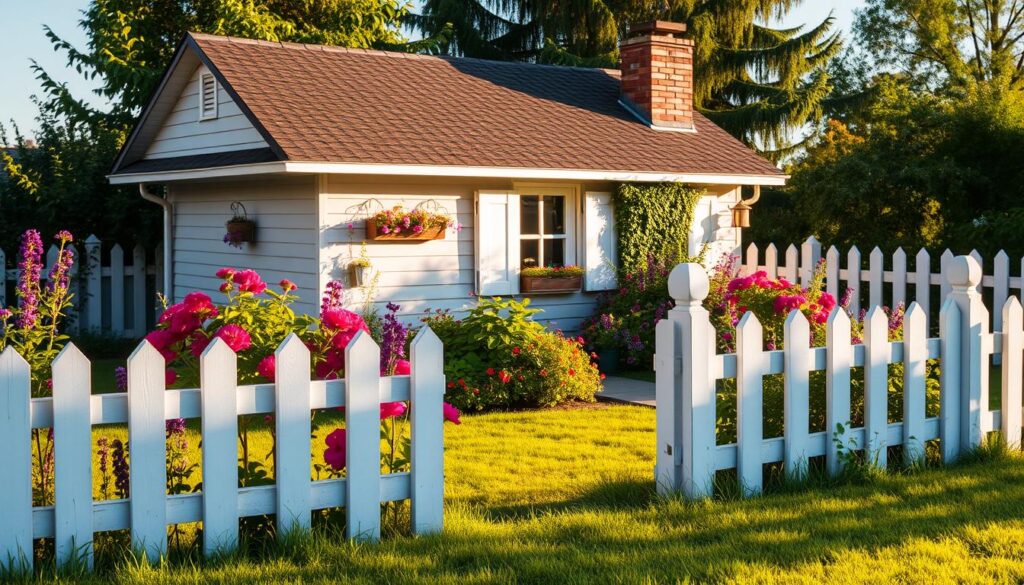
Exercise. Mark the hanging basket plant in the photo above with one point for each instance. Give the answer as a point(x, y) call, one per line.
point(239, 229)
point(413, 225)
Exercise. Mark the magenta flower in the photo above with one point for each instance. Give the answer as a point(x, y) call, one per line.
point(451, 414)
point(267, 367)
point(343, 320)
point(335, 453)
point(226, 273)
point(403, 368)
point(30, 266)
point(392, 409)
point(249, 281)
point(170, 377)
point(287, 285)
point(333, 296)
point(199, 343)
point(237, 338)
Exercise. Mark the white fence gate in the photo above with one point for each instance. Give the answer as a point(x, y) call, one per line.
point(688, 368)
point(73, 411)
point(108, 299)
point(887, 279)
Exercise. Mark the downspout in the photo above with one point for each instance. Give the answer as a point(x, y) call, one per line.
point(168, 226)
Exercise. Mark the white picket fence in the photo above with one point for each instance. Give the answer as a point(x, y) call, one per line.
point(73, 411)
point(688, 367)
point(109, 299)
point(888, 279)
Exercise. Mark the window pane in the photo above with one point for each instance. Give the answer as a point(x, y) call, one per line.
point(554, 214)
point(529, 215)
point(528, 251)
point(554, 252)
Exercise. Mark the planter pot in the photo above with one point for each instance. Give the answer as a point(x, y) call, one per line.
point(608, 360)
point(541, 284)
point(241, 230)
point(360, 275)
point(434, 233)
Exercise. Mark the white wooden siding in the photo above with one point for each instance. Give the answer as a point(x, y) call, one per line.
point(183, 134)
point(285, 214)
point(712, 224)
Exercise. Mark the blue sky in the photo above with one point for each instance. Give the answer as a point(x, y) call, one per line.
point(22, 39)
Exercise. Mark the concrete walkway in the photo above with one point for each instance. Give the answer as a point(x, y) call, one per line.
point(627, 390)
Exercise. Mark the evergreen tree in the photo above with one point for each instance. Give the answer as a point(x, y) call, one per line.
point(759, 83)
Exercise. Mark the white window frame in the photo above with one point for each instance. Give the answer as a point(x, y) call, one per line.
point(204, 78)
point(571, 195)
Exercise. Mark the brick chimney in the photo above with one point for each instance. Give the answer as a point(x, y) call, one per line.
point(657, 74)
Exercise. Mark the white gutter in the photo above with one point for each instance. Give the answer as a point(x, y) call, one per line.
point(168, 240)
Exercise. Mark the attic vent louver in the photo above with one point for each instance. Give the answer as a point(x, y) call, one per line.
point(207, 96)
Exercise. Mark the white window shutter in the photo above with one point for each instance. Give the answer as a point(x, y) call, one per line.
point(497, 243)
point(600, 257)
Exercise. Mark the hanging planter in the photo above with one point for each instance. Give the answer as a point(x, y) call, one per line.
point(239, 229)
point(414, 225)
point(559, 279)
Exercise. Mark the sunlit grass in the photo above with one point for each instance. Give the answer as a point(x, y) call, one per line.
point(567, 496)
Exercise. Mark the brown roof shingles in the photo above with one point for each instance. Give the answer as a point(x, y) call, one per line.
point(325, 104)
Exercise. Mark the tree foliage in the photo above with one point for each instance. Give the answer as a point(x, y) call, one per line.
point(757, 82)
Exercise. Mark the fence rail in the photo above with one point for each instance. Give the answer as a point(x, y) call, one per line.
point(886, 279)
point(688, 369)
point(115, 298)
point(73, 411)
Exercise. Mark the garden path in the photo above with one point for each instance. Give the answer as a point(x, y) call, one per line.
point(628, 390)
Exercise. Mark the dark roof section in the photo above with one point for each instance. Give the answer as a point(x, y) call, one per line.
point(200, 161)
point(337, 105)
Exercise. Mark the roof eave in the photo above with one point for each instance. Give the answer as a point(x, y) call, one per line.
point(298, 167)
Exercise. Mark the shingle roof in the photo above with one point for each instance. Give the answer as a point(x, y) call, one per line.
point(325, 104)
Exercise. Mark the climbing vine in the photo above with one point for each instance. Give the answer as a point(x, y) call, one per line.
point(653, 221)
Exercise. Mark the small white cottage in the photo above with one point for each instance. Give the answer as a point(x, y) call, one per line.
point(313, 140)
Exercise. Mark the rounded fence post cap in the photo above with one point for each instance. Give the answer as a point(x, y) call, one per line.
point(688, 284)
point(964, 271)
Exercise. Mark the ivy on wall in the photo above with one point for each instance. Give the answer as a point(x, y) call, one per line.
point(654, 220)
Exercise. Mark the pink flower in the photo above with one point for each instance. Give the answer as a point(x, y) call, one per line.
point(343, 320)
point(786, 303)
point(236, 337)
point(226, 287)
point(226, 273)
point(160, 339)
point(334, 361)
point(170, 377)
point(249, 281)
point(341, 339)
point(392, 409)
point(199, 303)
point(828, 302)
point(335, 453)
point(403, 368)
point(199, 343)
point(451, 414)
point(267, 367)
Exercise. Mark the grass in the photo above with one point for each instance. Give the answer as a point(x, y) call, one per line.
point(567, 496)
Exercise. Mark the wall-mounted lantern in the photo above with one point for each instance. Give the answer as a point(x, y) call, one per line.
point(741, 211)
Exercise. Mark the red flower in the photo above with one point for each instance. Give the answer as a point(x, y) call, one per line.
point(392, 409)
point(335, 453)
point(226, 287)
point(249, 281)
point(343, 320)
point(267, 367)
point(341, 339)
point(505, 377)
point(451, 385)
point(237, 338)
point(334, 361)
point(226, 273)
point(199, 304)
point(515, 351)
point(602, 376)
point(490, 371)
point(170, 377)
point(287, 285)
point(572, 372)
point(462, 382)
point(199, 343)
point(403, 368)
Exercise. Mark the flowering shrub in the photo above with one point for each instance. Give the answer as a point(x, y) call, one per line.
point(397, 220)
point(499, 357)
point(552, 271)
point(625, 318)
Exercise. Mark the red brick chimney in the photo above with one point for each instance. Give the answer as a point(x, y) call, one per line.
point(657, 74)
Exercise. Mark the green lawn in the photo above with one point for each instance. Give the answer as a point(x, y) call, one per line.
point(567, 495)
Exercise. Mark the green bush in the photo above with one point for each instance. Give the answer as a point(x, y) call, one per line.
point(653, 221)
point(499, 357)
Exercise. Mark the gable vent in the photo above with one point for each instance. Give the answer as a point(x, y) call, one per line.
point(207, 96)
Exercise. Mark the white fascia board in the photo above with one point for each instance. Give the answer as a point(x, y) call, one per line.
point(446, 171)
point(529, 173)
point(209, 173)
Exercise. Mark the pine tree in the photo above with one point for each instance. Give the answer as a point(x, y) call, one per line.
point(759, 83)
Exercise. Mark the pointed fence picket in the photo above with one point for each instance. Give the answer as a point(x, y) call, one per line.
point(72, 412)
point(687, 370)
point(113, 297)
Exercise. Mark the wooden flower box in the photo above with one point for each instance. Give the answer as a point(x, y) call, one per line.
point(429, 233)
point(241, 230)
point(550, 285)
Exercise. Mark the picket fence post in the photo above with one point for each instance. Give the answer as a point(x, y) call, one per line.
point(853, 279)
point(138, 290)
point(147, 480)
point(3, 279)
point(964, 274)
point(915, 360)
point(668, 387)
point(923, 284)
point(876, 386)
point(292, 458)
point(362, 421)
point(751, 364)
point(426, 393)
point(1012, 371)
point(949, 381)
point(94, 284)
point(688, 285)
point(899, 278)
point(832, 261)
point(218, 373)
point(15, 460)
point(117, 288)
point(839, 360)
point(810, 255)
point(796, 393)
point(72, 456)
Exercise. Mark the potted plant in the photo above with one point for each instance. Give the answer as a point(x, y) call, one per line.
point(413, 225)
point(239, 229)
point(553, 279)
point(361, 267)
point(602, 336)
